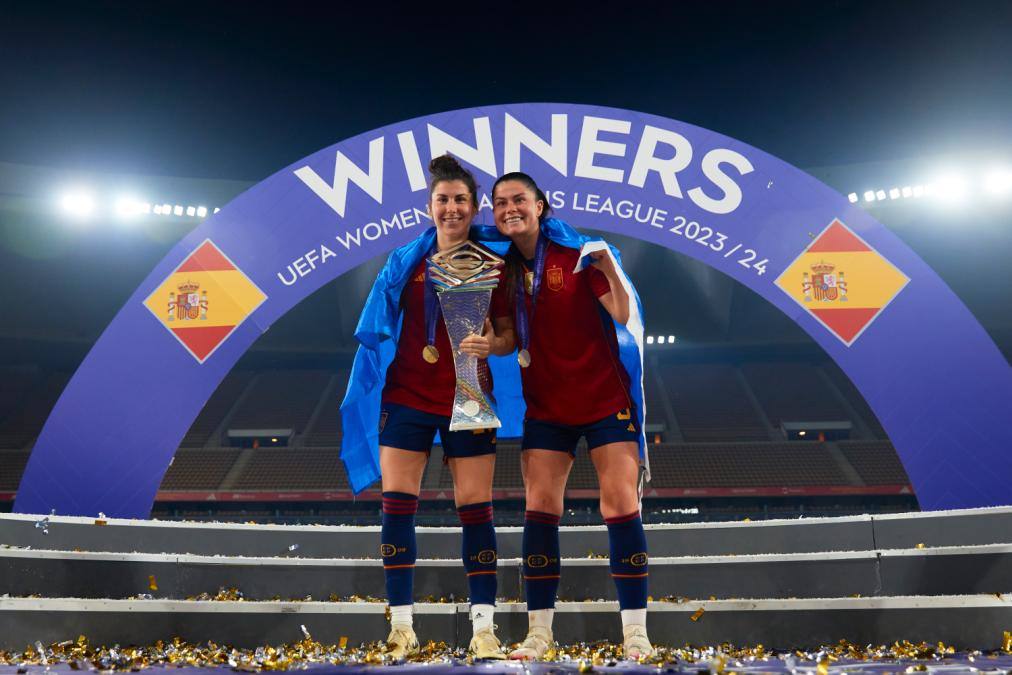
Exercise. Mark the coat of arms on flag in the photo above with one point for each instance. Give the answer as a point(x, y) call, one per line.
point(842, 281)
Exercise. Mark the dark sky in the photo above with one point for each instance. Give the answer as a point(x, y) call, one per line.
point(240, 89)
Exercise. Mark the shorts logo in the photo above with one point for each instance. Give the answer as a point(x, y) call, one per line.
point(387, 550)
point(383, 420)
point(486, 557)
point(624, 415)
point(631, 427)
point(638, 559)
point(537, 561)
point(554, 277)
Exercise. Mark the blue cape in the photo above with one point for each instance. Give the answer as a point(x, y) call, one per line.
point(379, 328)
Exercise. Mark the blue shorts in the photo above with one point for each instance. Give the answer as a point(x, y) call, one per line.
point(410, 429)
point(617, 428)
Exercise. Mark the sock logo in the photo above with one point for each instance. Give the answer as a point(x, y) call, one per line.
point(486, 557)
point(637, 559)
point(537, 560)
point(387, 550)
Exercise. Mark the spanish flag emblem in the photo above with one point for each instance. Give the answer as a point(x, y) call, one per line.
point(204, 299)
point(842, 281)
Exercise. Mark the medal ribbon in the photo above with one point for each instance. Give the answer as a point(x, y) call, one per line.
point(523, 321)
point(432, 309)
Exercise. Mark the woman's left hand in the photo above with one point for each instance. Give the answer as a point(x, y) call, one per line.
point(602, 261)
point(479, 346)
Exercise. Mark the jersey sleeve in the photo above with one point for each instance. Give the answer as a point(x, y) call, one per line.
point(500, 306)
point(598, 282)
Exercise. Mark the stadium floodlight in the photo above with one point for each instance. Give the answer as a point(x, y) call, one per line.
point(894, 193)
point(869, 196)
point(158, 209)
point(78, 203)
point(998, 182)
point(918, 191)
point(660, 339)
point(671, 339)
point(177, 210)
point(950, 187)
point(145, 207)
point(166, 209)
point(191, 211)
point(852, 197)
point(881, 194)
point(907, 191)
point(201, 211)
point(802, 432)
point(216, 209)
point(650, 339)
point(127, 207)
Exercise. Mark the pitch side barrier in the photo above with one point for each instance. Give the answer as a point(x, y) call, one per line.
point(969, 527)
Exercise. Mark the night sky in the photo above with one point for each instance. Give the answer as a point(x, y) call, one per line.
point(240, 89)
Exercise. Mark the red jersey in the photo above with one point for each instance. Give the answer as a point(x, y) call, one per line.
point(575, 376)
point(412, 381)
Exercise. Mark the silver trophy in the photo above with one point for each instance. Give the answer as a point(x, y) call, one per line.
point(464, 277)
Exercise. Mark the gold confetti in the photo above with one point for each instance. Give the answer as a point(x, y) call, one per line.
point(920, 545)
point(343, 642)
point(823, 666)
point(1007, 644)
point(697, 614)
point(152, 584)
point(585, 667)
point(101, 521)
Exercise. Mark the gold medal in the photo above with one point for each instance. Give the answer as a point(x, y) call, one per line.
point(524, 358)
point(529, 283)
point(430, 353)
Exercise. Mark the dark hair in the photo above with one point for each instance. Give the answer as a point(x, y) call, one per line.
point(529, 183)
point(447, 168)
point(514, 272)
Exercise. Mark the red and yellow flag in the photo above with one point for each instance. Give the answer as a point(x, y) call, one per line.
point(842, 281)
point(204, 299)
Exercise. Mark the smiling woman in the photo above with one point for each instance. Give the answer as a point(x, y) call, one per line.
point(417, 402)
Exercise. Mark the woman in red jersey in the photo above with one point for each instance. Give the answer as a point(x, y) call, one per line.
point(575, 386)
point(417, 402)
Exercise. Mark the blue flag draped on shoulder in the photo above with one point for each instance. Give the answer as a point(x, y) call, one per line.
point(379, 327)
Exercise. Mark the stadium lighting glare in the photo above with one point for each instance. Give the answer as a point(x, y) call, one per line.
point(852, 197)
point(802, 432)
point(128, 207)
point(881, 195)
point(216, 209)
point(998, 182)
point(177, 210)
point(78, 203)
point(950, 188)
point(191, 211)
point(907, 191)
point(201, 211)
point(869, 196)
point(145, 207)
point(650, 339)
point(671, 339)
point(166, 209)
point(918, 191)
point(660, 339)
point(894, 193)
point(158, 209)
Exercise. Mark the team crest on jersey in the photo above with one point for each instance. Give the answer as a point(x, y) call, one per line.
point(553, 276)
point(420, 278)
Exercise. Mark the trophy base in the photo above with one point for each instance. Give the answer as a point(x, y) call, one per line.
point(483, 424)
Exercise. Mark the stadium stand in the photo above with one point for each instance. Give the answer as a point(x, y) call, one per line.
point(744, 465)
point(199, 469)
point(281, 399)
point(293, 469)
point(24, 421)
point(793, 392)
point(12, 465)
point(710, 403)
point(326, 430)
point(850, 392)
point(875, 461)
point(215, 410)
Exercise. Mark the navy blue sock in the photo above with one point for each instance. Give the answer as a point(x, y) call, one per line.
point(628, 549)
point(541, 559)
point(478, 551)
point(397, 547)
